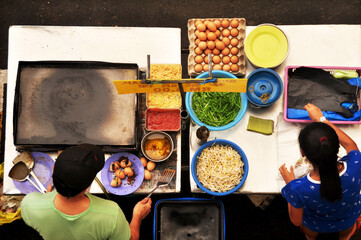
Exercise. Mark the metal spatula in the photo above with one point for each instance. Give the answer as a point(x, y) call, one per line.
point(164, 179)
point(20, 172)
point(28, 159)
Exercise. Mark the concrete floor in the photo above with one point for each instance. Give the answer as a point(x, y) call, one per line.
point(243, 219)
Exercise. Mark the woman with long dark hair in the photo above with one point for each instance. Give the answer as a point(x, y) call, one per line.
point(328, 198)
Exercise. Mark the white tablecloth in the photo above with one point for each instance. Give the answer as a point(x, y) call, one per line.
point(108, 44)
point(310, 45)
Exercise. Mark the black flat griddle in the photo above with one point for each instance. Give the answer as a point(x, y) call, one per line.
point(59, 104)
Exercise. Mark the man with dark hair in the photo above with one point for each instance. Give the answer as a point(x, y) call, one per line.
point(70, 212)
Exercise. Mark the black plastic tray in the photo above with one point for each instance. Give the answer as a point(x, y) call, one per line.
point(189, 218)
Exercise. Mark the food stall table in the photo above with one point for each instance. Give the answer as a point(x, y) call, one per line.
point(310, 45)
point(101, 44)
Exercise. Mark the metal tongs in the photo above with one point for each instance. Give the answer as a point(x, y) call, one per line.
point(209, 79)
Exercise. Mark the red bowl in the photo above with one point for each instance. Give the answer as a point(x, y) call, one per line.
point(162, 119)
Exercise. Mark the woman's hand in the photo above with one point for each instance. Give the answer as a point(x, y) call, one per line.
point(288, 176)
point(346, 142)
point(313, 112)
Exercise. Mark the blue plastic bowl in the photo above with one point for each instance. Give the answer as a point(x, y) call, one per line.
point(264, 87)
point(224, 143)
point(242, 111)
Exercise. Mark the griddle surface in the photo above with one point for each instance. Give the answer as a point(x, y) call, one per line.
point(71, 105)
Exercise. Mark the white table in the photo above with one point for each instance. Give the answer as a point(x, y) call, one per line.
point(108, 44)
point(310, 45)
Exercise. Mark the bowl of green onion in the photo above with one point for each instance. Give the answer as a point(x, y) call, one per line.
point(216, 110)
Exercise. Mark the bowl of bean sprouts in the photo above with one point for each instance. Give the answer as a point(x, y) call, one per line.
point(219, 167)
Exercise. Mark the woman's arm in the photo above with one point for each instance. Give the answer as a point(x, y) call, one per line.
point(296, 215)
point(346, 142)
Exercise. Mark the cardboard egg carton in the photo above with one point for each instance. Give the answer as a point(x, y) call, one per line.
point(192, 45)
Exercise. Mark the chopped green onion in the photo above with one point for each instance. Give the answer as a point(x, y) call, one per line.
point(216, 108)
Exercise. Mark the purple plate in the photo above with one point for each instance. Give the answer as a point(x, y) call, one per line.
point(125, 188)
point(43, 169)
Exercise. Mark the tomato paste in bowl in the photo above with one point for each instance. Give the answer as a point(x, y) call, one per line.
point(162, 119)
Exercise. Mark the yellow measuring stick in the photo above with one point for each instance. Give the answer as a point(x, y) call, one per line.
point(222, 85)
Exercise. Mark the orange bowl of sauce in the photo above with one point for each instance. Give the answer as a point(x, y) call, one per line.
point(157, 146)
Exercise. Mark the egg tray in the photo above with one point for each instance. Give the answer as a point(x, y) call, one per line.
point(241, 37)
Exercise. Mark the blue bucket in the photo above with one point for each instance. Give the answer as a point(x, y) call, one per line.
point(242, 111)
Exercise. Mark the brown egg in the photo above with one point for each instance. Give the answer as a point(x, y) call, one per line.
point(220, 45)
point(216, 51)
point(226, 59)
point(226, 41)
point(197, 23)
point(211, 26)
point(216, 59)
point(202, 45)
point(205, 67)
point(144, 161)
point(226, 68)
point(212, 36)
point(198, 59)
point(211, 45)
point(206, 59)
point(234, 23)
point(147, 175)
point(196, 32)
point(234, 68)
point(202, 36)
point(150, 166)
point(225, 33)
point(125, 163)
point(218, 33)
point(115, 182)
point(120, 174)
point(207, 51)
point(198, 68)
point(217, 23)
point(128, 171)
point(217, 67)
point(234, 42)
point(234, 32)
point(225, 23)
point(234, 50)
point(234, 59)
point(225, 51)
point(198, 51)
point(201, 27)
point(114, 166)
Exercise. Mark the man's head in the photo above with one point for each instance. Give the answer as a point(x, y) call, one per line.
point(76, 168)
